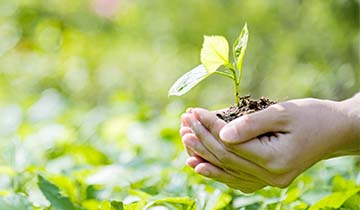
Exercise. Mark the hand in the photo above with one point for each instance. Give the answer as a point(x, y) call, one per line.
point(272, 146)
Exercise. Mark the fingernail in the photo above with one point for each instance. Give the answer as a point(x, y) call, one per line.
point(228, 133)
point(197, 115)
point(189, 110)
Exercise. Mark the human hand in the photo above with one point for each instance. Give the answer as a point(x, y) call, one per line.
point(299, 134)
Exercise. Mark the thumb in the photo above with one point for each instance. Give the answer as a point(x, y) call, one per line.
point(244, 128)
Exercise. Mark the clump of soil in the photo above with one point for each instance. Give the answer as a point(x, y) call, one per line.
point(247, 106)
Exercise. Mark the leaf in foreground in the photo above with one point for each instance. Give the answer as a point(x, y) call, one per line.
point(239, 47)
point(334, 200)
point(188, 81)
point(52, 193)
point(214, 53)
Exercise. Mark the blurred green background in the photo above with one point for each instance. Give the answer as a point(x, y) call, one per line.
point(83, 93)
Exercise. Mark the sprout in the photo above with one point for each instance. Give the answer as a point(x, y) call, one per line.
point(214, 58)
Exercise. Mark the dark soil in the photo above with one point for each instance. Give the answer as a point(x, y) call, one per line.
point(247, 106)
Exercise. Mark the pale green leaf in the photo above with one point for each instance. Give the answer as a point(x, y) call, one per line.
point(334, 200)
point(214, 53)
point(53, 195)
point(223, 201)
point(135, 206)
point(239, 47)
point(186, 202)
point(342, 184)
point(14, 201)
point(188, 81)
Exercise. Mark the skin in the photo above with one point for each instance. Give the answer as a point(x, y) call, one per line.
point(273, 146)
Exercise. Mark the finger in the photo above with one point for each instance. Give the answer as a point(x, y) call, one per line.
point(216, 173)
point(271, 119)
point(183, 117)
point(200, 156)
point(189, 151)
point(261, 150)
point(206, 138)
point(185, 130)
point(194, 161)
point(209, 120)
point(191, 141)
point(221, 157)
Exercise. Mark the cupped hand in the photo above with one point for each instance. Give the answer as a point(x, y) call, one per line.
point(270, 147)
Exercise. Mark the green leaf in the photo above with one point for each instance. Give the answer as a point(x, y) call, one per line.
point(117, 205)
point(188, 202)
point(214, 53)
point(14, 201)
point(111, 205)
point(353, 202)
point(52, 193)
point(341, 184)
point(239, 47)
point(135, 206)
point(188, 81)
point(334, 200)
point(223, 201)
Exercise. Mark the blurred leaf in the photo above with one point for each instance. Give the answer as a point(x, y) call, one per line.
point(7, 170)
point(239, 47)
point(292, 195)
point(117, 205)
point(66, 184)
point(341, 184)
point(334, 200)
point(223, 201)
point(186, 202)
point(91, 204)
point(111, 205)
point(52, 193)
point(135, 206)
point(188, 81)
point(88, 154)
point(353, 202)
point(142, 195)
point(14, 201)
point(214, 53)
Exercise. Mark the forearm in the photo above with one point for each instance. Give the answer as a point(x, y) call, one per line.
point(351, 107)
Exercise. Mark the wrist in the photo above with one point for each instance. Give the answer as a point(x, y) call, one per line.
point(351, 109)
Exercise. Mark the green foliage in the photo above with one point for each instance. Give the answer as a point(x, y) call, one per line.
point(82, 97)
point(52, 193)
point(15, 201)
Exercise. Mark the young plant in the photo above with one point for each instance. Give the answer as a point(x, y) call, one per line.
point(214, 58)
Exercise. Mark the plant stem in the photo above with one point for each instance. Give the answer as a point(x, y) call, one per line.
point(236, 86)
point(237, 93)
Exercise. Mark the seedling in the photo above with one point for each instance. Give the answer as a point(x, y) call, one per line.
point(214, 58)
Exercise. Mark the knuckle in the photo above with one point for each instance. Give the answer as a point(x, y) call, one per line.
point(248, 122)
point(282, 112)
